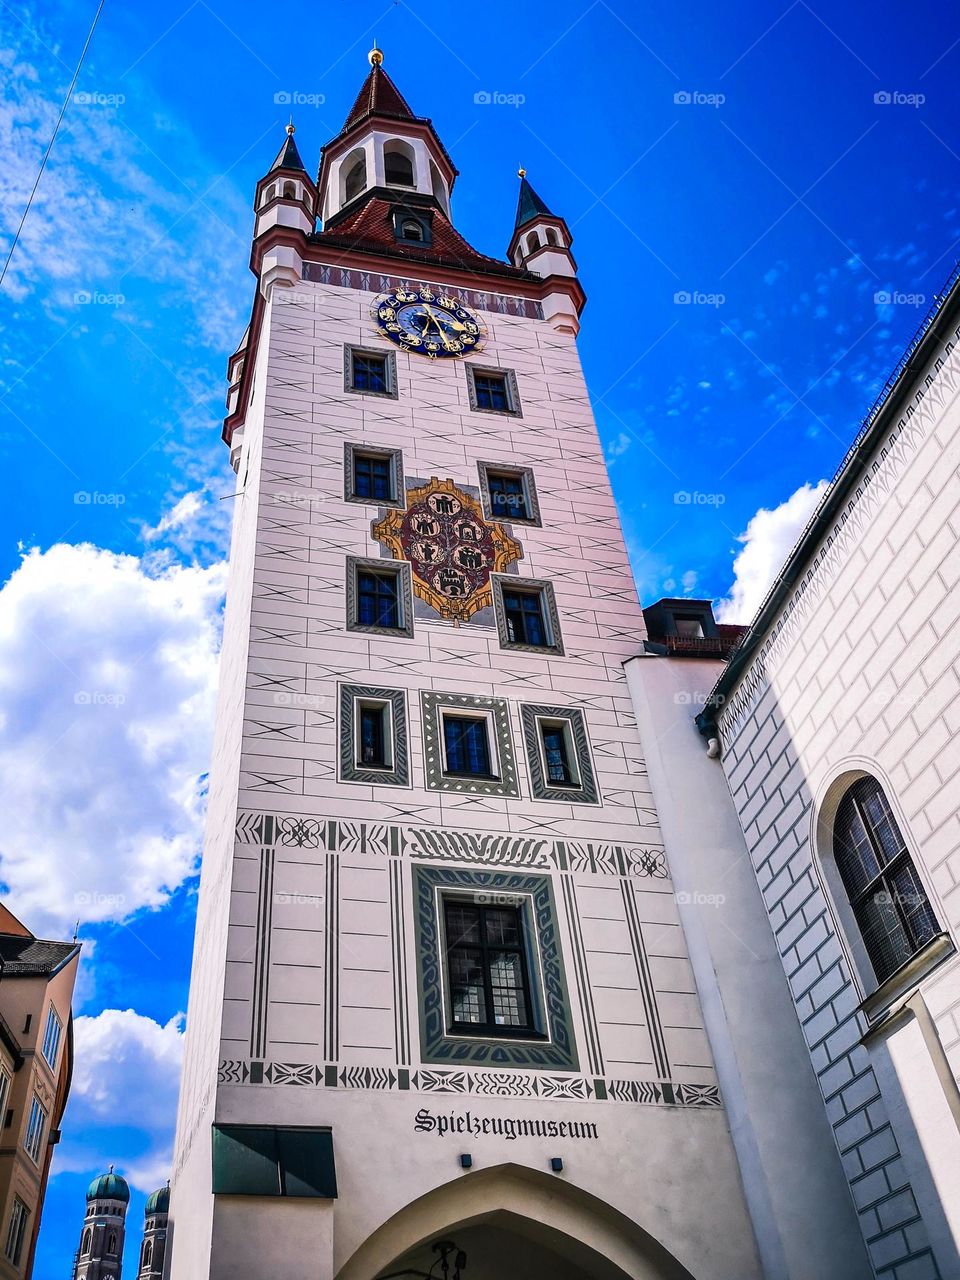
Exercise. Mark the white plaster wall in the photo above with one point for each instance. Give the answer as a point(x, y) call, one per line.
point(191, 1211)
point(864, 675)
point(316, 957)
point(788, 1160)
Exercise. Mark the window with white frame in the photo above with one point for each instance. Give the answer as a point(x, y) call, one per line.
point(4, 1093)
point(52, 1036)
point(16, 1231)
point(33, 1138)
point(373, 735)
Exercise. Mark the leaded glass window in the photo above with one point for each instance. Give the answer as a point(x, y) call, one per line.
point(891, 907)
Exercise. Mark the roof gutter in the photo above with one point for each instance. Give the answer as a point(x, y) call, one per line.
point(919, 350)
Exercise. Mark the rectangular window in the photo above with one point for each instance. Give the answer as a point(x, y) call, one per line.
point(509, 493)
point(556, 756)
point(372, 473)
point(379, 596)
point(523, 613)
point(370, 373)
point(372, 476)
point(492, 390)
point(526, 613)
point(378, 600)
point(508, 497)
point(689, 628)
point(33, 1139)
point(487, 968)
point(4, 1093)
point(51, 1037)
point(16, 1230)
point(466, 743)
point(372, 737)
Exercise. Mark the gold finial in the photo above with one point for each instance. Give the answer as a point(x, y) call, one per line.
point(375, 57)
point(291, 128)
point(521, 172)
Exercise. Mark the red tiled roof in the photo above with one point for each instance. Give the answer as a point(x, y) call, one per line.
point(378, 96)
point(370, 228)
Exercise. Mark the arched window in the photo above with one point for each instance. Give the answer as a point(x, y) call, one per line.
point(270, 193)
point(398, 167)
point(533, 242)
point(87, 1237)
point(289, 191)
point(112, 1242)
point(887, 896)
point(356, 179)
point(410, 229)
point(148, 1253)
point(552, 237)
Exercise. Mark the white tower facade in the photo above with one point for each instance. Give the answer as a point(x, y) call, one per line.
point(443, 1012)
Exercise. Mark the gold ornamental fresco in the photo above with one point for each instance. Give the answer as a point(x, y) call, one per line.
point(452, 548)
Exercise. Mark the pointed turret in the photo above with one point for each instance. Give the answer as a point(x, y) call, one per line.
point(285, 204)
point(529, 204)
point(541, 242)
point(288, 157)
point(383, 150)
point(379, 96)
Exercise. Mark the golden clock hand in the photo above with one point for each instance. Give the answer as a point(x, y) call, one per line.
point(430, 312)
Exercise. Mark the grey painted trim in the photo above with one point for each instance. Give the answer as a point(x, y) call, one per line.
point(513, 583)
point(530, 489)
point(540, 788)
point(403, 571)
point(395, 456)
point(548, 986)
point(513, 392)
point(350, 350)
point(350, 771)
point(431, 705)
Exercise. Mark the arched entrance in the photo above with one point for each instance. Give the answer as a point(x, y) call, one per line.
point(513, 1221)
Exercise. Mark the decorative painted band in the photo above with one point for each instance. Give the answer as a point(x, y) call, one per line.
point(374, 282)
point(490, 1084)
point(439, 844)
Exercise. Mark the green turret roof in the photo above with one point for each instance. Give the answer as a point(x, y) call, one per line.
point(109, 1186)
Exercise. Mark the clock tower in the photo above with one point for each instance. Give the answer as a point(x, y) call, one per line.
point(443, 1017)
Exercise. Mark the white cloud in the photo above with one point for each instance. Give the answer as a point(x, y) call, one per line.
point(767, 541)
point(618, 447)
point(107, 680)
point(124, 1097)
point(198, 524)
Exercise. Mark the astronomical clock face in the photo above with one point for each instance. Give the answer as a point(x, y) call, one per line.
point(452, 549)
point(437, 325)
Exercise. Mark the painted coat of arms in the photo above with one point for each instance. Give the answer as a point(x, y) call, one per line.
point(451, 546)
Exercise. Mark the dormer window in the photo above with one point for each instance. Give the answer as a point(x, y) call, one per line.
point(411, 228)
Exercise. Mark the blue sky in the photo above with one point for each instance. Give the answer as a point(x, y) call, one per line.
point(784, 167)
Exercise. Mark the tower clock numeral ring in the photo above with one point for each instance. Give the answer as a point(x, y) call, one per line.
point(436, 326)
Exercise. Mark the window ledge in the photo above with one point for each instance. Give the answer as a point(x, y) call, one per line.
point(885, 1003)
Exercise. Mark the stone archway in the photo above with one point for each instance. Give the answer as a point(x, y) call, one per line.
point(510, 1220)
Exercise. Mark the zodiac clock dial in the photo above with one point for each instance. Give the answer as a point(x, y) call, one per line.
point(432, 324)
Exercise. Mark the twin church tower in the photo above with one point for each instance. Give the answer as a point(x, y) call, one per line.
point(443, 1015)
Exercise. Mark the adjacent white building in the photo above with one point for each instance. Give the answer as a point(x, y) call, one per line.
point(818, 837)
point(458, 1004)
